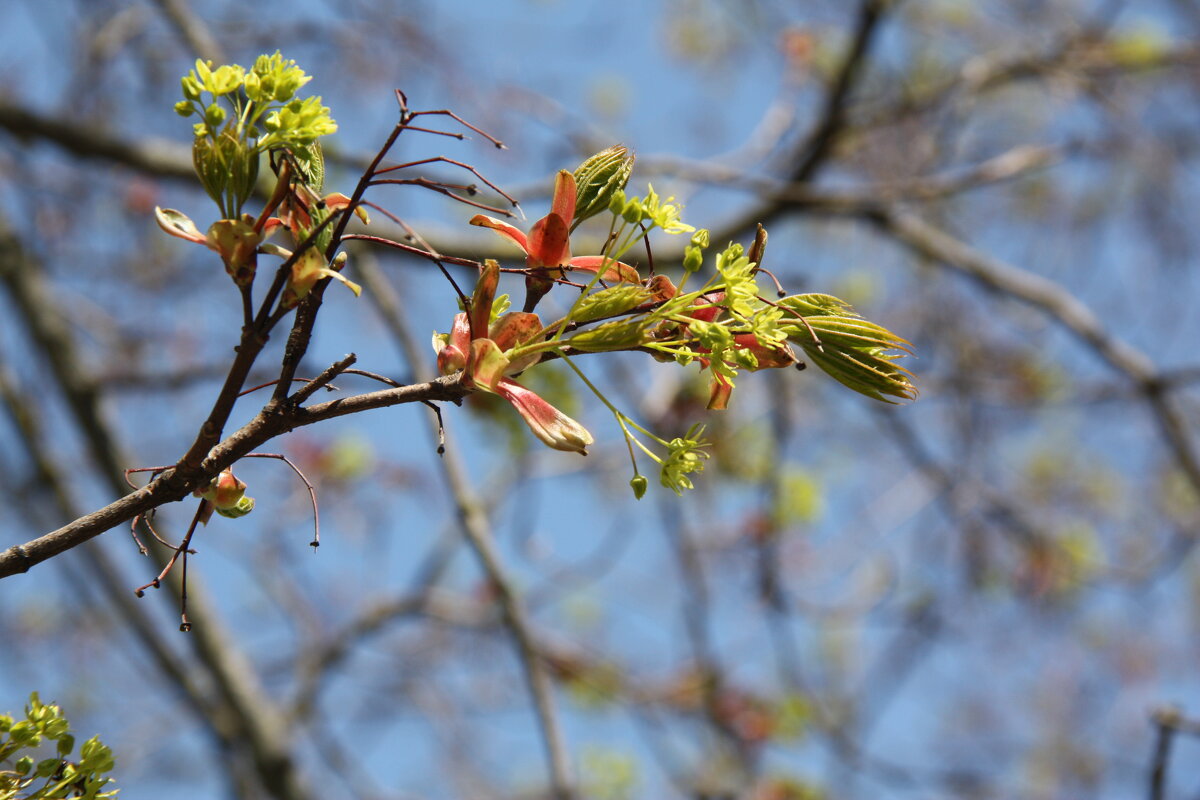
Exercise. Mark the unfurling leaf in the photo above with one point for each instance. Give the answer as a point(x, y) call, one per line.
point(610, 302)
point(598, 179)
point(616, 335)
point(855, 352)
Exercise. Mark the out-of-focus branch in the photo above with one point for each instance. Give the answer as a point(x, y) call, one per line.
point(192, 30)
point(697, 617)
point(1061, 306)
point(819, 144)
point(251, 721)
point(1009, 165)
point(1167, 722)
point(477, 529)
point(26, 416)
point(159, 157)
point(1079, 55)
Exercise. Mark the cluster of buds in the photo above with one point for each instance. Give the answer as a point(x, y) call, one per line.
point(245, 113)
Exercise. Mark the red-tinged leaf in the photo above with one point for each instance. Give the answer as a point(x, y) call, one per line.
point(719, 391)
point(481, 300)
point(614, 271)
point(707, 307)
point(487, 364)
point(514, 329)
point(271, 225)
point(450, 360)
point(563, 204)
point(514, 235)
point(176, 223)
point(549, 243)
point(553, 427)
point(769, 357)
point(661, 288)
point(460, 333)
point(338, 201)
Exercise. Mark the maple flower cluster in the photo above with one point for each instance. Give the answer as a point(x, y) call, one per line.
point(245, 113)
point(725, 326)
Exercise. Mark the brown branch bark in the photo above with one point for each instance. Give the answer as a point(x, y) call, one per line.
point(171, 486)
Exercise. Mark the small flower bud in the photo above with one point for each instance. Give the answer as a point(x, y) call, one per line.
point(252, 83)
point(638, 483)
point(227, 495)
point(214, 115)
point(633, 211)
point(184, 108)
point(700, 238)
point(693, 258)
point(191, 87)
point(616, 203)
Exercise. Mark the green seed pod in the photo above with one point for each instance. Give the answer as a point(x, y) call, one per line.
point(598, 178)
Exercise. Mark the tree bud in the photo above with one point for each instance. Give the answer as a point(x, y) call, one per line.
point(598, 178)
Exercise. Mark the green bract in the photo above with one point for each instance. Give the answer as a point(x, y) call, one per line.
point(616, 335)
